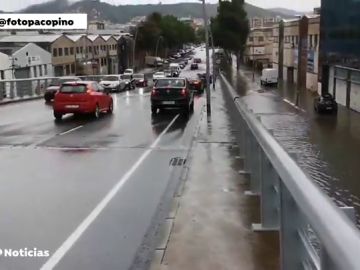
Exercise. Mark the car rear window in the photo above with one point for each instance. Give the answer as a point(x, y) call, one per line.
point(68, 88)
point(170, 83)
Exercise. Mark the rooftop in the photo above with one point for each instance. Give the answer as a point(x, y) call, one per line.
point(30, 38)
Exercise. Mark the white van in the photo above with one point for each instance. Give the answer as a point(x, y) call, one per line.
point(175, 69)
point(269, 76)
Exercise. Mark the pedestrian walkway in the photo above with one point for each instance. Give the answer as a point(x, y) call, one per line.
point(212, 226)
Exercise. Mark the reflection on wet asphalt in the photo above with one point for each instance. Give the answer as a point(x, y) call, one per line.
point(325, 146)
point(54, 174)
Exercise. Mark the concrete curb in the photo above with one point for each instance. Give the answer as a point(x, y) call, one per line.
point(11, 101)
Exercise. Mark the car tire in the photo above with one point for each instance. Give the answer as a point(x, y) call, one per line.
point(58, 116)
point(192, 106)
point(97, 112)
point(153, 110)
point(111, 108)
point(186, 111)
point(47, 98)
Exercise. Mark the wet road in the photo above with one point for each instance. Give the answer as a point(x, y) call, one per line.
point(325, 146)
point(87, 191)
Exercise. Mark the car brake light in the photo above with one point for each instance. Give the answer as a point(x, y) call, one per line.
point(153, 92)
point(184, 92)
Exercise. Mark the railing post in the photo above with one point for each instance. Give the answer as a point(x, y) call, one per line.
point(2, 90)
point(325, 260)
point(270, 197)
point(291, 249)
point(255, 166)
point(38, 88)
point(12, 89)
point(246, 149)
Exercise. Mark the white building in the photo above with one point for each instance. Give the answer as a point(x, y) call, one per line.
point(34, 60)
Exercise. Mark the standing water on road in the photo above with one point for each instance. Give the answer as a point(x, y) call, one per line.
point(325, 146)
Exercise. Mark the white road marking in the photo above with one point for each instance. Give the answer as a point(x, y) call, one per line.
point(292, 104)
point(70, 130)
point(71, 240)
point(37, 143)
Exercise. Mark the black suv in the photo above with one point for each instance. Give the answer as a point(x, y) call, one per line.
point(172, 93)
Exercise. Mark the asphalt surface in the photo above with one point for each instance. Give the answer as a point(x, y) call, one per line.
point(87, 190)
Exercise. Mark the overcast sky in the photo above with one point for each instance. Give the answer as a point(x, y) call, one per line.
point(300, 5)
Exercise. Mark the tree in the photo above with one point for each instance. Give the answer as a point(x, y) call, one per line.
point(230, 27)
point(173, 32)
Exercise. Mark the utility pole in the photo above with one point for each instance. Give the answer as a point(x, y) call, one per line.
point(134, 47)
point(213, 58)
point(208, 98)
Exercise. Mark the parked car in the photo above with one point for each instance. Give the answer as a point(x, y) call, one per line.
point(325, 103)
point(140, 80)
point(82, 97)
point(197, 60)
point(196, 85)
point(202, 76)
point(129, 71)
point(269, 76)
point(168, 73)
point(129, 81)
point(55, 85)
point(113, 83)
point(172, 93)
point(158, 75)
point(194, 66)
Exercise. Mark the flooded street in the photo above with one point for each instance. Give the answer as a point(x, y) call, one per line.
point(325, 146)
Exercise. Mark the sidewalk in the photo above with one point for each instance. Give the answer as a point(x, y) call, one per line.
point(212, 225)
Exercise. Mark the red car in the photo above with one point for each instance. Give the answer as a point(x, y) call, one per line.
point(196, 85)
point(140, 80)
point(82, 97)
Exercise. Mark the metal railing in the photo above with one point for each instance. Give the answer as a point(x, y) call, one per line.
point(314, 232)
point(35, 87)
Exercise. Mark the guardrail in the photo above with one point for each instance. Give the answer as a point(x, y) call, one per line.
point(314, 232)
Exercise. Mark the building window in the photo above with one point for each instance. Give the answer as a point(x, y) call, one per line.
point(40, 71)
point(45, 70)
point(261, 39)
point(251, 39)
point(55, 52)
point(77, 50)
point(60, 51)
point(316, 40)
point(66, 51)
point(311, 41)
point(105, 61)
point(90, 49)
point(2, 75)
point(81, 49)
point(72, 51)
point(73, 68)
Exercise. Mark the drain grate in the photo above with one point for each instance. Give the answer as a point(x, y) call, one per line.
point(177, 161)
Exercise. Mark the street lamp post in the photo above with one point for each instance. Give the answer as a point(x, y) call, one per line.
point(157, 45)
point(208, 98)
